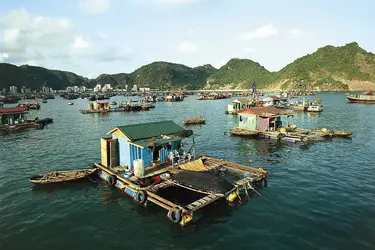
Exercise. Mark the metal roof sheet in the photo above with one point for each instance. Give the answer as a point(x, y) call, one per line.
point(152, 129)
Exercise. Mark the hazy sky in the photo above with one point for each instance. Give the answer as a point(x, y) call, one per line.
point(90, 37)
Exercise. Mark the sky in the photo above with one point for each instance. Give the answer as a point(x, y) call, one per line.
point(91, 37)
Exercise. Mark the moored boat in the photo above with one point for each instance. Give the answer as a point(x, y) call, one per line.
point(62, 176)
point(315, 108)
point(198, 120)
point(367, 97)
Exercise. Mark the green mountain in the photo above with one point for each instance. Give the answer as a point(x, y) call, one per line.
point(35, 77)
point(163, 75)
point(157, 75)
point(239, 73)
point(329, 68)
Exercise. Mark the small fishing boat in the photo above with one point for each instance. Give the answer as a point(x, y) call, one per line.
point(44, 101)
point(198, 120)
point(113, 103)
point(315, 108)
point(62, 176)
point(70, 103)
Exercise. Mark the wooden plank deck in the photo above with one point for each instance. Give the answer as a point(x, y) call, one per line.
point(194, 206)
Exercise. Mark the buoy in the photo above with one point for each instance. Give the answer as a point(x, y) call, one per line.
point(111, 180)
point(282, 130)
point(186, 218)
point(140, 197)
point(174, 214)
point(324, 130)
point(232, 196)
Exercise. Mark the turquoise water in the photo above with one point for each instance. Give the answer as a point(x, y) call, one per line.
point(319, 196)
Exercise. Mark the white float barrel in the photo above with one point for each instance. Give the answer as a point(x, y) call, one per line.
point(139, 170)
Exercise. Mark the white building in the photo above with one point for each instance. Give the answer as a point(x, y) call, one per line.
point(146, 89)
point(106, 87)
point(45, 89)
point(135, 88)
point(13, 90)
point(98, 88)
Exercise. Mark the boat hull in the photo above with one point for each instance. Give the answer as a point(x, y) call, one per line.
point(361, 99)
point(62, 176)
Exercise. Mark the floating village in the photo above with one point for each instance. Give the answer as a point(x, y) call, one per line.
point(147, 160)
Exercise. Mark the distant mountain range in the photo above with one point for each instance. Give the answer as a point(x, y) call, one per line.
point(330, 68)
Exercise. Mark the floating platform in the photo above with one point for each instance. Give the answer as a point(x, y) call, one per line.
point(211, 179)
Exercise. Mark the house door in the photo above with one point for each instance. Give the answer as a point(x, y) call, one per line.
point(109, 152)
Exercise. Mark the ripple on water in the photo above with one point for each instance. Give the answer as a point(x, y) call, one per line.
point(319, 195)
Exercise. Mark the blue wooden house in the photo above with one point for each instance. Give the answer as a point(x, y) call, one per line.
point(151, 142)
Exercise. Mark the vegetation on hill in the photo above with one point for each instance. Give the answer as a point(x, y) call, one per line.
point(329, 68)
point(36, 77)
point(239, 73)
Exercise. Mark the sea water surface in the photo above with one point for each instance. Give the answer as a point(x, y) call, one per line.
point(319, 196)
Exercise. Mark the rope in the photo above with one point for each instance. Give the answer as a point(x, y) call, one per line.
point(88, 176)
point(251, 187)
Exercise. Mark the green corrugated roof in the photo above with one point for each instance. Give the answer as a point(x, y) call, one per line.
point(149, 130)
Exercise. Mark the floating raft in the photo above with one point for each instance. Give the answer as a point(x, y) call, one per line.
point(210, 178)
point(244, 132)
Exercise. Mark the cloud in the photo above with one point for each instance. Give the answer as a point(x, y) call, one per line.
point(32, 39)
point(260, 33)
point(22, 30)
point(187, 48)
point(295, 32)
point(95, 6)
point(248, 50)
point(3, 56)
point(80, 46)
point(176, 2)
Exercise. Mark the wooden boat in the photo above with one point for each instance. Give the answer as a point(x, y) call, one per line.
point(244, 132)
point(198, 120)
point(62, 176)
point(326, 132)
point(339, 133)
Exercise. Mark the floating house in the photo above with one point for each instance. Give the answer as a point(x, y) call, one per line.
point(99, 106)
point(12, 119)
point(261, 118)
point(11, 116)
point(238, 104)
point(173, 98)
point(266, 122)
point(149, 142)
point(271, 101)
point(146, 161)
